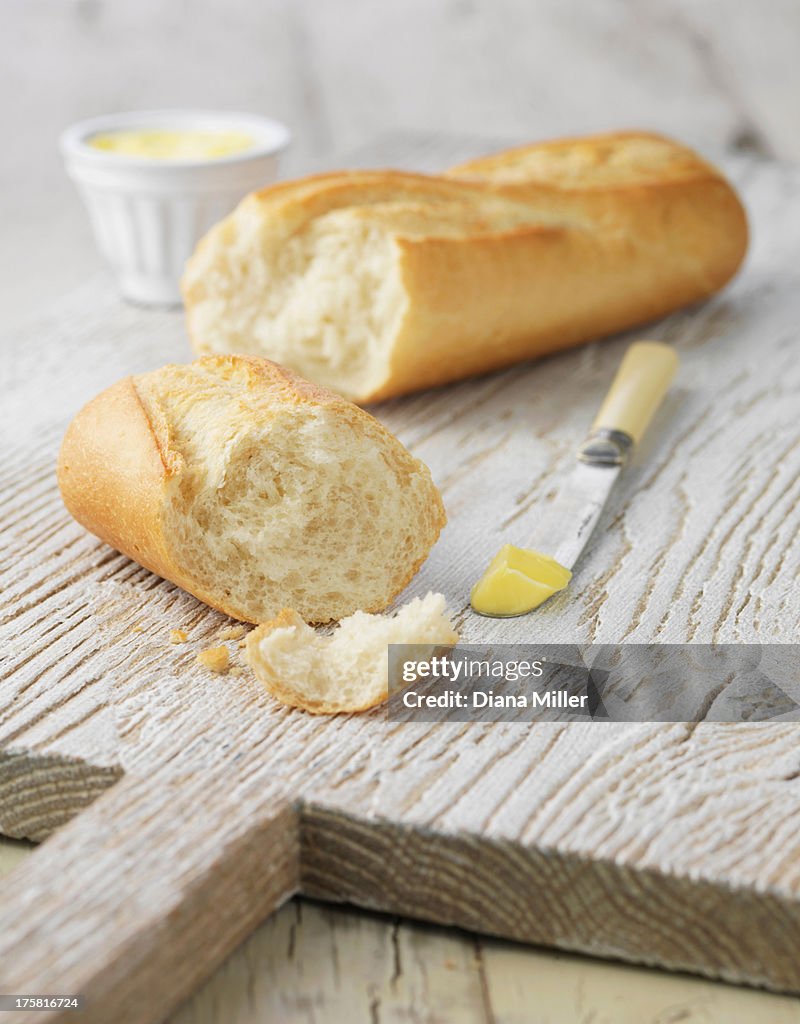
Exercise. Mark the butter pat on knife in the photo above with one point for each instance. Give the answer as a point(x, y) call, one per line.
point(518, 579)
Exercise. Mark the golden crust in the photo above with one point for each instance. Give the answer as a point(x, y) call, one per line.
point(116, 461)
point(113, 469)
point(571, 308)
point(613, 230)
point(588, 163)
point(117, 498)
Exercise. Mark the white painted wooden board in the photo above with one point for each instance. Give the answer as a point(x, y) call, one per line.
point(660, 844)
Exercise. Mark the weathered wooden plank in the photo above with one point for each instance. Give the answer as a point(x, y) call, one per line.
point(159, 906)
point(621, 840)
point(335, 965)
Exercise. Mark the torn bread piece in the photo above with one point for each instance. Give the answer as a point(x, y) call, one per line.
point(250, 488)
point(347, 671)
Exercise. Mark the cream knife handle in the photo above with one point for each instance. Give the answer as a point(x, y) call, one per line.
point(642, 380)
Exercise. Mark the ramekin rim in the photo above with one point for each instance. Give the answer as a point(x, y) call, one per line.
point(73, 139)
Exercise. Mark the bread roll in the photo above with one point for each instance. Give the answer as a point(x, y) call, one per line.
point(348, 671)
point(251, 488)
point(379, 283)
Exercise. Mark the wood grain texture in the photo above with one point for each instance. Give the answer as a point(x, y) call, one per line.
point(336, 965)
point(626, 841)
point(325, 965)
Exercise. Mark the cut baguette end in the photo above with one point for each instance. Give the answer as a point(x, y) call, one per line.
point(347, 671)
point(249, 487)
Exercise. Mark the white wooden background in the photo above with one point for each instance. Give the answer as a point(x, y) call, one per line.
point(341, 73)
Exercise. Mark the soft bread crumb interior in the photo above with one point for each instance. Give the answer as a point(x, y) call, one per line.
point(347, 671)
point(278, 503)
point(323, 302)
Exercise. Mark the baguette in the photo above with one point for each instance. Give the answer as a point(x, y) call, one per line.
point(380, 283)
point(251, 488)
point(348, 671)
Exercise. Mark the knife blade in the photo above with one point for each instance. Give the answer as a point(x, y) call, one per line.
point(519, 579)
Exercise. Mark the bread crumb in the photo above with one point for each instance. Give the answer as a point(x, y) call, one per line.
point(137, 627)
point(237, 670)
point(178, 636)
point(215, 658)
point(231, 632)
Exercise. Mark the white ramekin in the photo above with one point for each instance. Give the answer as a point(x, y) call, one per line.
point(147, 215)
